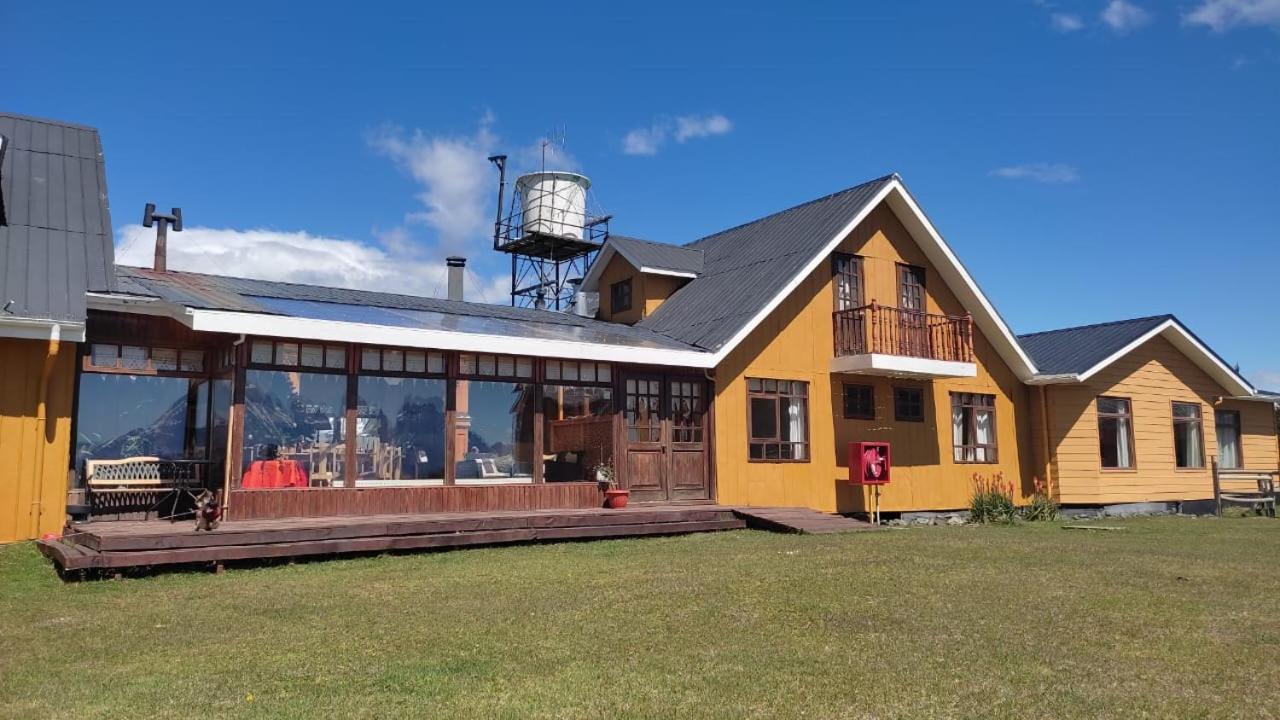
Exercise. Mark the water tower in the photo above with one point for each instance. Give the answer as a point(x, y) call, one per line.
point(549, 234)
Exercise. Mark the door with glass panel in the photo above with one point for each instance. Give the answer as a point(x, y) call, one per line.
point(665, 435)
point(643, 437)
point(913, 325)
point(687, 462)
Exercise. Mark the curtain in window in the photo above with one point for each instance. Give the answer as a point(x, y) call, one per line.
point(795, 424)
point(1228, 442)
point(957, 434)
point(1124, 453)
point(982, 424)
point(1194, 445)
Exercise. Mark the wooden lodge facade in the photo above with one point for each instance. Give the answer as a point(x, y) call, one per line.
point(734, 370)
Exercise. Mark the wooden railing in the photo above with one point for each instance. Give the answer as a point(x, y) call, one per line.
point(889, 331)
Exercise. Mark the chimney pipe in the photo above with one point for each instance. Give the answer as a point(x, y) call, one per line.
point(162, 222)
point(457, 266)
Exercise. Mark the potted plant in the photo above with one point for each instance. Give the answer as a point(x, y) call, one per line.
point(614, 497)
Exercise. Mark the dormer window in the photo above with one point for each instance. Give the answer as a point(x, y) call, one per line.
point(620, 296)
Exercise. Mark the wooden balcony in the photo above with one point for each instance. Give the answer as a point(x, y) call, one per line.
point(886, 340)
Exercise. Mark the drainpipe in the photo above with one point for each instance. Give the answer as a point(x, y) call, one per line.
point(1044, 441)
point(42, 415)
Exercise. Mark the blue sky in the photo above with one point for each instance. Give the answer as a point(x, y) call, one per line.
point(1089, 161)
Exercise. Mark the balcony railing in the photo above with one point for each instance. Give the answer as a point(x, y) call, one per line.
point(878, 329)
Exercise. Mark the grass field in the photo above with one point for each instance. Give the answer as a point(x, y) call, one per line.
point(1173, 617)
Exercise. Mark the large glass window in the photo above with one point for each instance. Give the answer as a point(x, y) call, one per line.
point(498, 419)
point(1188, 437)
point(973, 427)
point(400, 431)
point(578, 431)
point(777, 420)
point(1227, 427)
point(123, 416)
point(297, 418)
point(1115, 433)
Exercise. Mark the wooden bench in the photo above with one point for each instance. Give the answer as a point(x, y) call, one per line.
point(1255, 488)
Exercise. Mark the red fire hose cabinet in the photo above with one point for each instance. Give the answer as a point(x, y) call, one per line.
point(870, 463)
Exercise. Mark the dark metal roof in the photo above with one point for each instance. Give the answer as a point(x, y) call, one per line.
point(1074, 350)
point(217, 292)
point(55, 242)
point(747, 266)
point(650, 254)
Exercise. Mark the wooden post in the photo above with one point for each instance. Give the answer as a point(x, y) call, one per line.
point(1217, 488)
point(539, 449)
point(450, 430)
point(235, 465)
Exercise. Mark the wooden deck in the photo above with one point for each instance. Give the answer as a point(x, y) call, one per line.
point(135, 544)
point(800, 520)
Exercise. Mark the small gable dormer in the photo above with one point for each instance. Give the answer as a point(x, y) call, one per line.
point(634, 277)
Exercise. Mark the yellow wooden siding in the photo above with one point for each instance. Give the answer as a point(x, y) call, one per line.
point(1152, 377)
point(33, 463)
point(795, 342)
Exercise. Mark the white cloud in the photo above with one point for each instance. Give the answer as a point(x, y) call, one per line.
point(455, 175)
point(1065, 22)
point(689, 127)
point(1221, 15)
point(649, 140)
point(1123, 16)
point(1046, 173)
point(301, 257)
point(1266, 380)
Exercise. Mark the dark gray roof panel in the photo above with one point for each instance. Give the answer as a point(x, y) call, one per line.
point(747, 266)
point(1074, 350)
point(647, 253)
point(56, 239)
point(216, 292)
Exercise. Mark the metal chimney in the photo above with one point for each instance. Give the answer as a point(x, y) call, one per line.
point(162, 223)
point(457, 266)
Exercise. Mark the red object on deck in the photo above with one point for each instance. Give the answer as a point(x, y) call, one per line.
point(274, 474)
point(869, 463)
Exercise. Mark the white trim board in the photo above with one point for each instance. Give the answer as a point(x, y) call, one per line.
point(901, 365)
point(328, 330)
point(1180, 338)
point(47, 330)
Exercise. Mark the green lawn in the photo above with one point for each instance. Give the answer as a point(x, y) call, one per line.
point(1172, 618)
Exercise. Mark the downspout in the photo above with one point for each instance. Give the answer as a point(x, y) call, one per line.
point(42, 415)
point(1044, 441)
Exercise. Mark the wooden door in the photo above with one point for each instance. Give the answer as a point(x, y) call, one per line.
point(687, 463)
point(913, 327)
point(643, 437)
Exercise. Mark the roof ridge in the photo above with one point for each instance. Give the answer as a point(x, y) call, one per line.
point(1165, 316)
point(815, 201)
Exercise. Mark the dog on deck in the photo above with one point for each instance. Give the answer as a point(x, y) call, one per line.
point(208, 510)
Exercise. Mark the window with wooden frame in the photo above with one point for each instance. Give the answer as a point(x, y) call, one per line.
point(620, 296)
point(973, 427)
point(1188, 436)
point(1115, 433)
point(578, 371)
point(859, 402)
point(846, 274)
point(293, 354)
point(144, 360)
point(908, 404)
point(777, 420)
point(396, 361)
point(1227, 428)
point(485, 365)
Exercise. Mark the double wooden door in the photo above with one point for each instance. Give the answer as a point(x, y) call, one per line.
point(664, 434)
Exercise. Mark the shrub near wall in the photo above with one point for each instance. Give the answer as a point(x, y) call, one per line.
point(992, 500)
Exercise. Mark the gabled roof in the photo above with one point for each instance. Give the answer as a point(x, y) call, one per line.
point(1077, 353)
point(646, 256)
point(240, 305)
point(55, 234)
point(750, 269)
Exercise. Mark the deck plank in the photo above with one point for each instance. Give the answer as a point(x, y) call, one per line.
point(800, 520)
